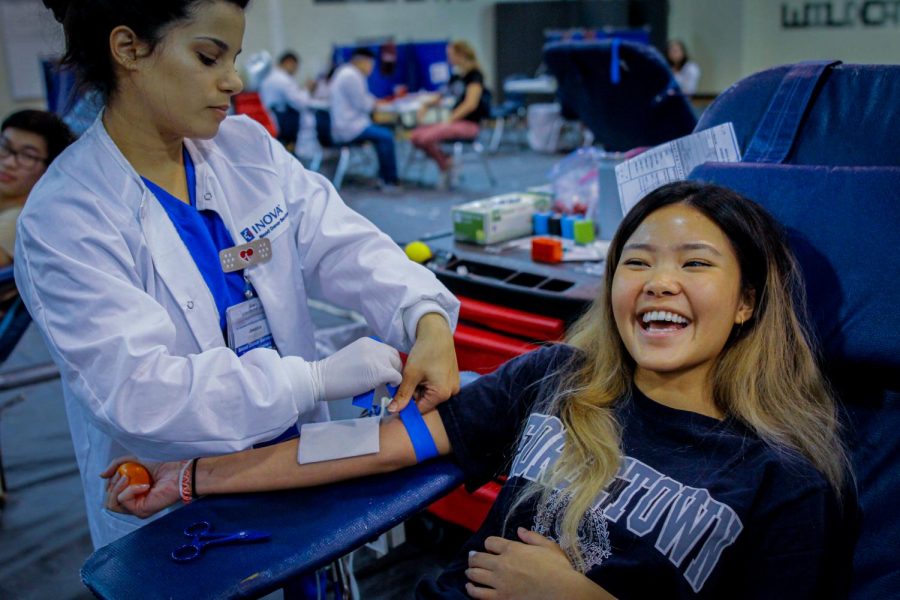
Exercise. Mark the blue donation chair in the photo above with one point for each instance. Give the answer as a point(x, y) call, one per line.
point(511, 112)
point(820, 153)
point(842, 222)
point(622, 91)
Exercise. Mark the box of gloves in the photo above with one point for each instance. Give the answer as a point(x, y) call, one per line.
point(498, 218)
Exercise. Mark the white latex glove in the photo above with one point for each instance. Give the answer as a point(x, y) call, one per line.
point(355, 369)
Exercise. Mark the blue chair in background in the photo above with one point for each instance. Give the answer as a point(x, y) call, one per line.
point(622, 91)
point(640, 35)
point(60, 86)
point(819, 148)
point(510, 113)
point(77, 107)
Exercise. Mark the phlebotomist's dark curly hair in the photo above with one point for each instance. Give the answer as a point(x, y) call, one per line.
point(88, 23)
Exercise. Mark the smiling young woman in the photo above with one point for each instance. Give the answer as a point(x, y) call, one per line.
point(676, 298)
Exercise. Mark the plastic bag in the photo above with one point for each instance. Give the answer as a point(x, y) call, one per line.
point(576, 182)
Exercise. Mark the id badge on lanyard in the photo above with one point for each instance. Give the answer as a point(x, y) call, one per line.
point(246, 323)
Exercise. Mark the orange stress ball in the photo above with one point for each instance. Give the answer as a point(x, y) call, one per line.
point(136, 473)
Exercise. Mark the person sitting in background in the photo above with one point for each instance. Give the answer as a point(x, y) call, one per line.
point(322, 85)
point(470, 106)
point(283, 96)
point(686, 71)
point(29, 141)
point(351, 107)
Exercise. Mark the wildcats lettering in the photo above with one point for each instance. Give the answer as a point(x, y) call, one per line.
point(848, 14)
point(686, 521)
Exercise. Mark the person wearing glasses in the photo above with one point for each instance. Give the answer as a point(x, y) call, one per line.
point(29, 141)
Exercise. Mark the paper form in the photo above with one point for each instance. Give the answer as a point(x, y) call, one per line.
point(673, 161)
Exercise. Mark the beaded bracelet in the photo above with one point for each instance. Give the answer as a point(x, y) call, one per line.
point(186, 479)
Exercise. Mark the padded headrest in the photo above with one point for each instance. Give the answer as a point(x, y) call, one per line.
point(639, 105)
point(843, 224)
point(852, 119)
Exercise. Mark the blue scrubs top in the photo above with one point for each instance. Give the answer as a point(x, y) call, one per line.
point(204, 234)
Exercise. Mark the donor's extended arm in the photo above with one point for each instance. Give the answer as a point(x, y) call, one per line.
point(264, 469)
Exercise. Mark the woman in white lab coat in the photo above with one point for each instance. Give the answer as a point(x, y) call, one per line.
point(117, 258)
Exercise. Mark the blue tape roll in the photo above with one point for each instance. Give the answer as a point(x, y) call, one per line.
point(568, 228)
point(540, 223)
point(423, 443)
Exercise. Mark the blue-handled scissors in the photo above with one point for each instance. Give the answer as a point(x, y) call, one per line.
point(202, 536)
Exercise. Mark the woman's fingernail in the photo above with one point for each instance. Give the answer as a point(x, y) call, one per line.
point(472, 553)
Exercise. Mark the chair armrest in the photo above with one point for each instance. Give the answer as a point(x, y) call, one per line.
point(309, 527)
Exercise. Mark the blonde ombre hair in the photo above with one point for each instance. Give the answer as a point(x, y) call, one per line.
point(766, 376)
point(467, 52)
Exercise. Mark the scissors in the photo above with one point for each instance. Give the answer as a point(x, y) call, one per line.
point(202, 536)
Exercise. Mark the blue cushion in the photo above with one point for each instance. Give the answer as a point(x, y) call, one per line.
point(843, 225)
point(644, 108)
point(852, 120)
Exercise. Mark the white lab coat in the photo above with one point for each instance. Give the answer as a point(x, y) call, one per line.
point(351, 103)
point(688, 78)
point(279, 90)
point(134, 329)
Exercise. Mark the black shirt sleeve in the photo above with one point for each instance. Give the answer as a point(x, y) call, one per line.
point(483, 421)
point(802, 547)
point(458, 86)
point(474, 76)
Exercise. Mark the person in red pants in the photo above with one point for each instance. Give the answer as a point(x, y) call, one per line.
point(471, 105)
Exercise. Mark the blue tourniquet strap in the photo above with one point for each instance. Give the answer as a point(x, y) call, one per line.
point(365, 401)
point(421, 439)
point(778, 129)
